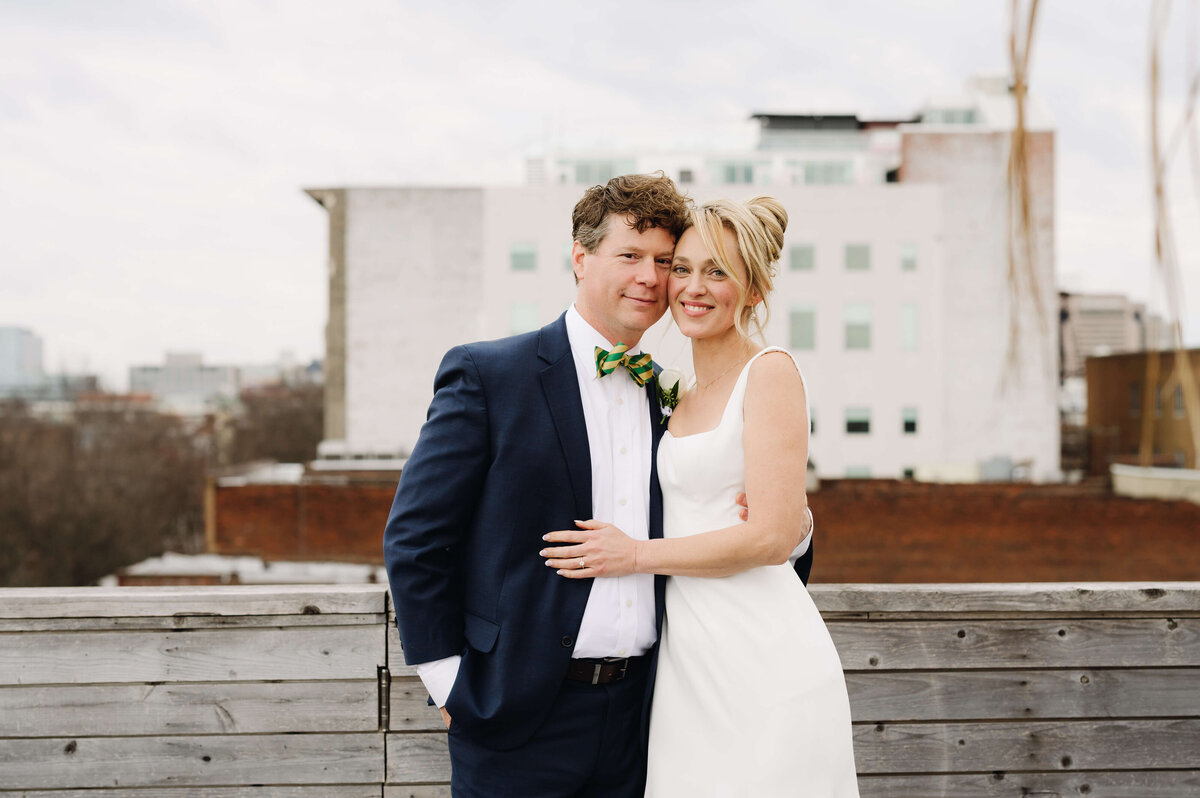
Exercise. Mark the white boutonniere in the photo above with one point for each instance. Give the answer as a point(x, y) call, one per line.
point(670, 382)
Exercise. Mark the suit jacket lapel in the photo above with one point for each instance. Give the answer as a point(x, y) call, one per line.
point(657, 428)
point(561, 388)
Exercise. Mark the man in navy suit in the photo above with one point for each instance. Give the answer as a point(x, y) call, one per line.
point(543, 681)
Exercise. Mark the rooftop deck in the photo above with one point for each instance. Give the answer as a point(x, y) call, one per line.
point(301, 692)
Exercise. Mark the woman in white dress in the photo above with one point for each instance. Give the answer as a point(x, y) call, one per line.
point(749, 696)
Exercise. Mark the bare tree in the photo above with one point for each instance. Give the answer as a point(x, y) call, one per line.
point(279, 422)
point(82, 497)
point(1024, 282)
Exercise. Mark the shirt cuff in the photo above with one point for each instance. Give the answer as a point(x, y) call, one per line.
point(799, 551)
point(438, 677)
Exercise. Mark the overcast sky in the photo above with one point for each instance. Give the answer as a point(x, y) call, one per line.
point(152, 153)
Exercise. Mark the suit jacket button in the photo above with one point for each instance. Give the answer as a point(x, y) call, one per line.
point(567, 641)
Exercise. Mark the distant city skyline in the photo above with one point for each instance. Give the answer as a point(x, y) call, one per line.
point(153, 154)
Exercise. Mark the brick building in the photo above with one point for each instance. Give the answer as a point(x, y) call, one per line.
point(1118, 402)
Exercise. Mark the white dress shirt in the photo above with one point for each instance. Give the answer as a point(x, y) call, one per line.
point(618, 620)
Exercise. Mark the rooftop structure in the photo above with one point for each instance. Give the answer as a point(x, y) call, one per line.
point(184, 384)
point(892, 290)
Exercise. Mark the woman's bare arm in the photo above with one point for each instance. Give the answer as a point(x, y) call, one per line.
point(775, 440)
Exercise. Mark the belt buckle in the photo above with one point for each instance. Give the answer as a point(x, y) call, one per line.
point(624, 668)
point(596, 673)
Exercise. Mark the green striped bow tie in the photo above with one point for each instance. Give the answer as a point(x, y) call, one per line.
point(640, 367)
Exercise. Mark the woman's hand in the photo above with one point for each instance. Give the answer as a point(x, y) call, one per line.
point(595, 549)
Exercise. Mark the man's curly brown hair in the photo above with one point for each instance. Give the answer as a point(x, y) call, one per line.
point(651, 200)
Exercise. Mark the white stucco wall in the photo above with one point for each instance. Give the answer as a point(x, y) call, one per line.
point(987, 414)
point(413, 289)
point(430, 268)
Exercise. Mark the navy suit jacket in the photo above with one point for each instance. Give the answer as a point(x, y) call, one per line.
point(501, 460)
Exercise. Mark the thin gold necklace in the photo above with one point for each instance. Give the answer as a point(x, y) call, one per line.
point(713, 381)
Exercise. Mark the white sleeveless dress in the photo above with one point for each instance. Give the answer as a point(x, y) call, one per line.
point(749, 696)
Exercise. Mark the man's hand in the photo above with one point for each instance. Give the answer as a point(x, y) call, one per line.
point(744, 507)
point(595, 549)
point(445, 716)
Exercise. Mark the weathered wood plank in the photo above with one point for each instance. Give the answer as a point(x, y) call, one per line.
point(1034, 598)
point(970, 695)
point(409, 707)
point(420, 758)
point(104, 602)
point(235, 708)
point(183, 622)
point(254, 791)
point(417, 791)
point(1098, 784)
point(947, 644)
point(213, 760)
point(1033, 746)
point(205, 655)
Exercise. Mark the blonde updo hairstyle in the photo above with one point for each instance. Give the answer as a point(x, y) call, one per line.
point(758, 226)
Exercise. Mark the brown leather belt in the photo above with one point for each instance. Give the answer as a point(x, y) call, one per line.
point(600, 671)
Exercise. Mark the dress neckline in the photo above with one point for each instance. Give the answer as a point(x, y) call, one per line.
point(729, 400)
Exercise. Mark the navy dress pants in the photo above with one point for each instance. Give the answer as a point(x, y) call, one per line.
point(590, 746)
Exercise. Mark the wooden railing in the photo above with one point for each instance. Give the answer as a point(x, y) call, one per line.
point(301, 692)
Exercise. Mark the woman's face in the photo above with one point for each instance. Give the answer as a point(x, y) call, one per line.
point(702, 296)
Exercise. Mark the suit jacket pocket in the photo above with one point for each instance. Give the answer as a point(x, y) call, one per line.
point(480, 633)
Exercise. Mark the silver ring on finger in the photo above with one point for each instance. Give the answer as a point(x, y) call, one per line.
point(581, 565)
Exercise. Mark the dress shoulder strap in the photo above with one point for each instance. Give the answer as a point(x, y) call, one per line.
point(739, 390)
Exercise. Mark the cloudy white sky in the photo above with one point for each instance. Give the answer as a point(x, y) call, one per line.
point(152, 152)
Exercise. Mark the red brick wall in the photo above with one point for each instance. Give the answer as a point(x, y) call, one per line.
point(867, 530)
point(262, 520)
point(303, 522)
point(884, 531)
point(345, 522)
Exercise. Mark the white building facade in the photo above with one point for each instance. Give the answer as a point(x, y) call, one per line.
point(20, 360)
point(892, 291)
point(184, 384)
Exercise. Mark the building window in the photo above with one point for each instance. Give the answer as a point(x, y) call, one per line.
point(908, 327)
point(1158, 391)
point(523, 257)
point(735, 173)
point(857, 317)
point(802, 258)
point(910, 473)
point(803, 333)
point(590, 173)
point(1179, 401)
point(1135, 400)
point(949, 116)
point(828, 173)
point(858, 257)
point(858, 420)
point(685, 176)
point(523, 317)
point(910, 420)
point(908, 257)
point(858, 472)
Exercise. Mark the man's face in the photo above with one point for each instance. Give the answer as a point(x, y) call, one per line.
point(623, 285)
